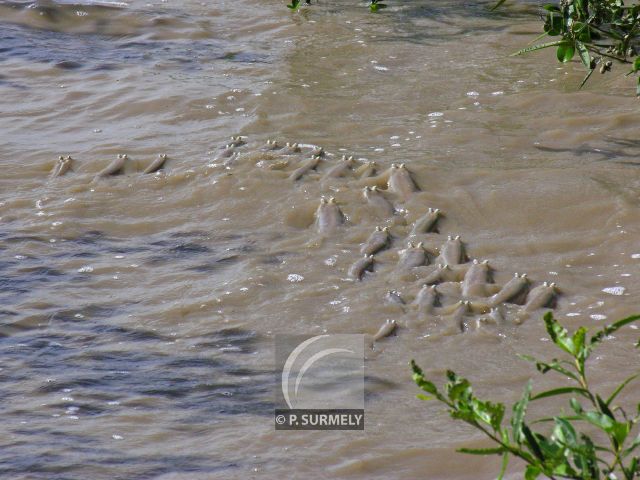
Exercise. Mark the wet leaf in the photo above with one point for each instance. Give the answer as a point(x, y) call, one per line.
point(532, 442)
point(633, 446)
point(560, 391)
point(423, 383)
point(543, 367)
point(609, 329)
point(565, 52)
point(605, 407)
point(620, 387)
point(505, 463)
point(558, 334)
point(519, 412)
point(584, 55)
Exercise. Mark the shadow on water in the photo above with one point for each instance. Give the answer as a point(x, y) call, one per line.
point(621, 148)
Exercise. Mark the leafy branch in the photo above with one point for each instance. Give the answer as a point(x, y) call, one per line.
point(565, 452)
point(594, 29)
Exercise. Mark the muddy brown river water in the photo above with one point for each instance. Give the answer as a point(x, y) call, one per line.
point(138, 312)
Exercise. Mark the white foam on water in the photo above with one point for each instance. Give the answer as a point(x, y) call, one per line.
point(614, 290)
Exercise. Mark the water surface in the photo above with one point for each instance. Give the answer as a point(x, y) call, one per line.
point(138, 313)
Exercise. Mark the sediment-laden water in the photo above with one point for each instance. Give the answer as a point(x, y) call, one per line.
point(138, 311)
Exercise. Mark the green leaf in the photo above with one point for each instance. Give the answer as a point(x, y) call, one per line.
point(553, 24)
point(482, 451)
point(561, 391)
point(532, 443)
point(584, 55)
point(633, 468)
point(609, 329)
point(565, 52)
point(617, 430)
point(633, 446)
point(581, 32)
point(620, 431)
point(587, 460)
point(604, 407)
point(550, 7)
point(576, 406)
point(579, 343)
point(553, 419)
point(565, 432)
point(505, 463)
point(519, 411)
point(636, 65)
point(423, 383)
point(536, 47)
point(532, 472)
point(426, 398)
point(545, 367)
point(558, 334)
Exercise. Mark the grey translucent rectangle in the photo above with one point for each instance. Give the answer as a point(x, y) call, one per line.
point(319, 419)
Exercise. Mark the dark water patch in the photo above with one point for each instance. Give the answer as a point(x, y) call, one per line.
point(4, 264)
point(247, 372)
point(97, 49)
point(152, 466)
point(41, 271)
point(217, 264)
point(89, 312)
point(56, 385)
point(80, 408)
point(234, 340)
point(111, 370)
point(275, 259)
point(189, 249)
point(91, 237)
point(167, 251)
point(68, 65)
point(132, 334)
point(191, 234)
point(245, 57)
point(20, 278)
point(195, 362)
point(25, 238)
point(245, 248)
